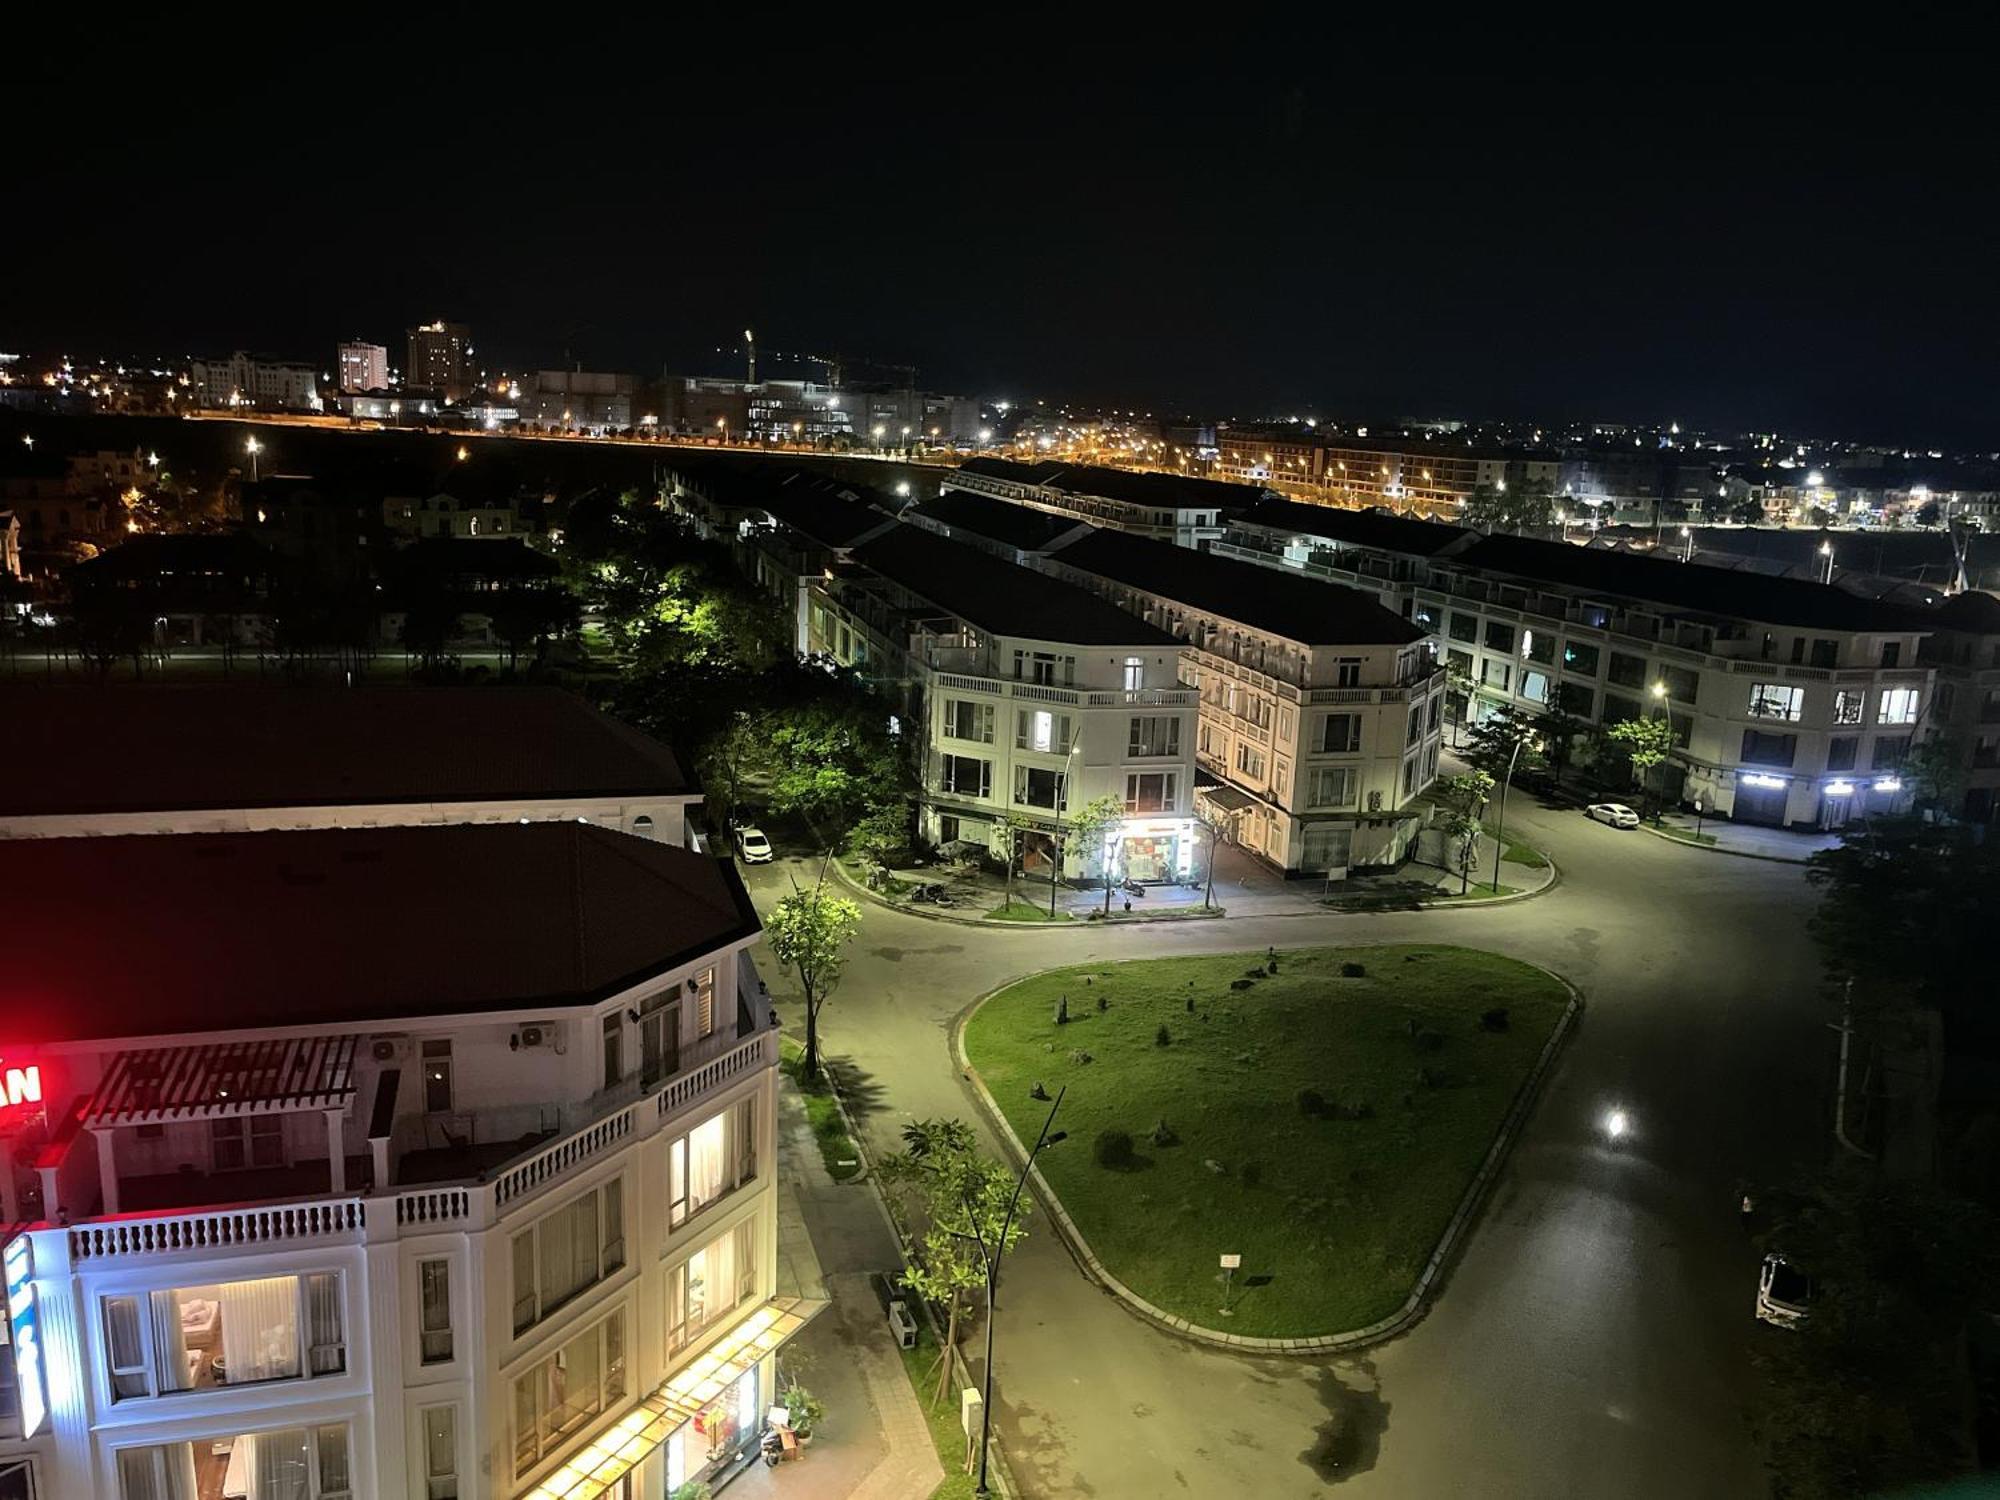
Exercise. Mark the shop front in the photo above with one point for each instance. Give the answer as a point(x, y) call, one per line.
point(1152, 851)
point(715, 1439)
point(1761, 798)
point(1838, 802)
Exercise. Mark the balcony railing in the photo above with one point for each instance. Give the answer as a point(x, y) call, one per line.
point(218, 1229)
point(1036, 692)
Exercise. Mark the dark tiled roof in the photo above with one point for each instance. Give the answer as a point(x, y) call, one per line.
point(997, 520)
point(1689, 586)
point(78, 749)
point(1973, 611)
point(153, 936)
point(1287, 604)
point(1000, 597)
point(1359, 528)
point(1135, 486)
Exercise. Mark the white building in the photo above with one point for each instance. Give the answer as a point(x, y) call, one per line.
point(1167, 506)
point(1321, 711)
point(1034, 697)
point(363, 367)
point(253, 382)
point(374, 1163)
point(216, 759)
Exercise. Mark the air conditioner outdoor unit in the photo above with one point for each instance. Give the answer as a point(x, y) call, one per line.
point(902, 1326)
point(383, 1049)
point(530, 1036)
point(1374, 802)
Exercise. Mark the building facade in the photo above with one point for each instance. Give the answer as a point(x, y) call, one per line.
point(440, 359)
point(252, 381)
point(1185, 511)
point(362, 367)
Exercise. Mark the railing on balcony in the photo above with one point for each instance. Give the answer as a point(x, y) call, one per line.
point(217, 1229)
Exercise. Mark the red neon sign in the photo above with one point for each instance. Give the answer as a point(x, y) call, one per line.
point(22, 1085)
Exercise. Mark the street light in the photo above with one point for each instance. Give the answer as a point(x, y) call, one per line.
point(254, 448)
point(1687, 551)
point(1062, 797)
point(1500, 822)
point(990, 1259)
point(1826, 551)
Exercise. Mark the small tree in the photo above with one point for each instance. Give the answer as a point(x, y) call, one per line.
point(1935, 767)
point(1648, 742)
point(1559, 730)
point(1459, 686)
point(1498, 737)
point(1220, 827)
point(1463, 798)
point(1087, 828)
point(809, 931)
point(1008, 836)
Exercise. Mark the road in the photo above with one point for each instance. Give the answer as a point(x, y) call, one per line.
point(1592, 1337)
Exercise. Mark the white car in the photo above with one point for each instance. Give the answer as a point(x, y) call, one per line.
point(1784, 1293)
point(752, 847)
point(1617, 814)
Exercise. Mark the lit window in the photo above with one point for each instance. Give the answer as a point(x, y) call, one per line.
point(1775, 700)
point(1899, 706)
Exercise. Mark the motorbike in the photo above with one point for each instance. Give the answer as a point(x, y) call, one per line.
point(1132, 887)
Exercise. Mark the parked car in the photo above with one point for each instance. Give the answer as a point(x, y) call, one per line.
point(1784, 1293)
point(752, 847)
point(1617, 814)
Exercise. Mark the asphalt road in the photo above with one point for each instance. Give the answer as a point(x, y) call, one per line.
point(1591, 1338)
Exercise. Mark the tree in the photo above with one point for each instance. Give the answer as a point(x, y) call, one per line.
point(1521, 507)
point(1220, 827)
point(881, 833)
point(1648, 743)
point(809, 931)
point(1499, 737)
point(949, 1200)
point(1935, 767)
point(1459, 687)
point(1747, 512)
point(1930, 513)
point(1087, 828)
point(1559, 730)
point(1008, 836)
point(1463, 798)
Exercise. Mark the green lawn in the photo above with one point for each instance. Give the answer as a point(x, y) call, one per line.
point(836, 1149)
point(1525, 855)
point(1334, 1217)
point(919, 1364)
point(1026, 911)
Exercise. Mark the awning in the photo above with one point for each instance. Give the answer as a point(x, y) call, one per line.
point(1224, 798)
point(621, 1448)
point(220, 1079)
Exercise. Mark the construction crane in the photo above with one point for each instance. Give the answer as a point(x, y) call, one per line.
point(834, 365)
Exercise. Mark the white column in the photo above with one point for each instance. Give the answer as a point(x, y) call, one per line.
point(336, 1153)
point(107, 1170)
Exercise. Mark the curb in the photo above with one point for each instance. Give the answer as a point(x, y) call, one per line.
point(1082, 923)
point(1463, 903)
point(1399, 1321)
point(1769, 859)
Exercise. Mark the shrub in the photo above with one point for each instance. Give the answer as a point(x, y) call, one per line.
point(1062, 1011)
point(1311, 1103)
point(1256, 973)
point(1250, 1173)
point(1352, 970)
point(1494, 1019)
point(1113, 1148)
point(1190, 1005)
point(1103, 1004)
point(1163, 1134)
point(1239, 984)
point(1078, 1056)
point(1271, 967)
point(1163, 1037)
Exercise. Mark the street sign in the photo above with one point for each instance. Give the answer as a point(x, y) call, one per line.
point(1232, 1262)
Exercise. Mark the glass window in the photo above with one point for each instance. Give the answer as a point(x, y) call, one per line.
point(965, 776)
point(1154, 735)
point(1037, 787)
point(966, 720)
point(1535, 686)
point(1763, 749)
point(206, 1336)
point(1464, 627)
point(246, 1141)
point(1150, 792)
point(557, 1397)
point(1776, 700)
point(1331, 787)
point(1847, 705)
point(1347, 672)
point(1892, 652)
point(1628, 671)
point(440, 1427)
point(1497, 673)
point(1041, 729)
point(434, 1310)
point(1840, 752)
point(709, 1284)
point(1538, 646)
point(437, 1076)
point(567, 1252)
point(1135, 673)
point(1499, 636)
point(1899, 706)
point(1339, 734)
point(1580, 657)
point(1682, 683)
point(1888, 752)
point(711, 1161)
point(1576, 698)
point(614, 1049)
point(1249, 760)
point(124, 1349)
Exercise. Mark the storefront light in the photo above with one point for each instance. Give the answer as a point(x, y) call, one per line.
point(1840, 789)
point(1758, 779)
point(1889, 784)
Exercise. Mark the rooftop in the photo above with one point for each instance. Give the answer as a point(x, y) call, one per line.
point(202, 933)
point(1358, 528)
point(999, 597)
point(997, 520)
point(80, 749)
point(1293, 606)
point(1135, 486)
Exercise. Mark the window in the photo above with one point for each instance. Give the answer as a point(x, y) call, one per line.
point(1347, 672)
point(554, 1399)
point(1499, 636)
point(1249, 760)
point(440, 1429)
point(1415, 729)
point(1135, 673)
point(1462, 660)
point(1464, 627)
point(1540, 649)
point(642, 826)
point(1888, 752)
point(1682, 683)
point(232, 1333)
point(964, 720)
point(247, 1141)
point(1840, 752)
point(710, 1284)
point(1576, 698)
point(1038, 729)
point(434, 1310)
point(1899, 706)
point(1036, 787)
point(1043, 667)
point(297, 1463)
point(437, 1076)
point(1847, 705)
point(1150, 792)
point(711, 1161)
point(1535, 686)
point(1154, 735)
point(966, 777)
point(1436, 712)
point(1580, 658)
point(1892, 652)
point(567, 1252)
point(704, 1001)
point(1774, 700)
point(1628, 671)
point(1410, 776)
point(1331, 787)
point(614, 1049)
point(1762, 749)
point(1496, 673)
point(1825, 654)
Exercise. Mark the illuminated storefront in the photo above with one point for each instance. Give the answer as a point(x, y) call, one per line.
point(1152, 851)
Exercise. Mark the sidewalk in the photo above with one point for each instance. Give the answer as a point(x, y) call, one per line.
point(874, 1443)
point(1722, 836)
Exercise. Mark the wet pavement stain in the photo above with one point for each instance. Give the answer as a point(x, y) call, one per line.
point(1350, 1441)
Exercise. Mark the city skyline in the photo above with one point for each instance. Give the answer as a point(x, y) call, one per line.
point(1181, 235)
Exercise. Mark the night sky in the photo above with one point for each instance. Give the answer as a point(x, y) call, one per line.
point(1362, 226)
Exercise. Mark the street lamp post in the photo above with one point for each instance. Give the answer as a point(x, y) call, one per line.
point(255, 448)
point(1826, 551)
point(1062, 797)
point(1500, 823)
point(990, 1258)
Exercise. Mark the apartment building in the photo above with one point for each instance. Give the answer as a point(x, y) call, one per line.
point(1167, 506)
point(1016, 532)
point(362, 366)
point(1033, 697)
point(1401, 473)
point(440, 360)
point(1965, 653)
point(385, 1162)
point(227, 758)
point(1792, 703)
point(254, 381)
point(1321, 712)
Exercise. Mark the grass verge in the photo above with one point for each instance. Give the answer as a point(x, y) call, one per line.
point(1026, 911)
point(1525, 855)
point(1321, 1124)
point(942, 1420)
point(836, 1147)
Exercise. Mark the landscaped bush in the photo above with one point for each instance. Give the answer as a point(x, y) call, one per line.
point(1113, 1148)
point(1352, 970)
point(1494, 1019)
point(1163, 1037)
point(1311, 1102)
point(1163, 1134)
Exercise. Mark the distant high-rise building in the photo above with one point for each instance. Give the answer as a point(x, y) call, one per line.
point(440, 359)
point(364, 367)
point(254, 381)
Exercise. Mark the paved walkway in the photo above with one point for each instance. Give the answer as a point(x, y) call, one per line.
point(1750, 838)
point(874, 1443)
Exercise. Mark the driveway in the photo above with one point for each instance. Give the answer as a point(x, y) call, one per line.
point(1592, 1337)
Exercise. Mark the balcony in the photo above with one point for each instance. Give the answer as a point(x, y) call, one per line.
point(1035, 692)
